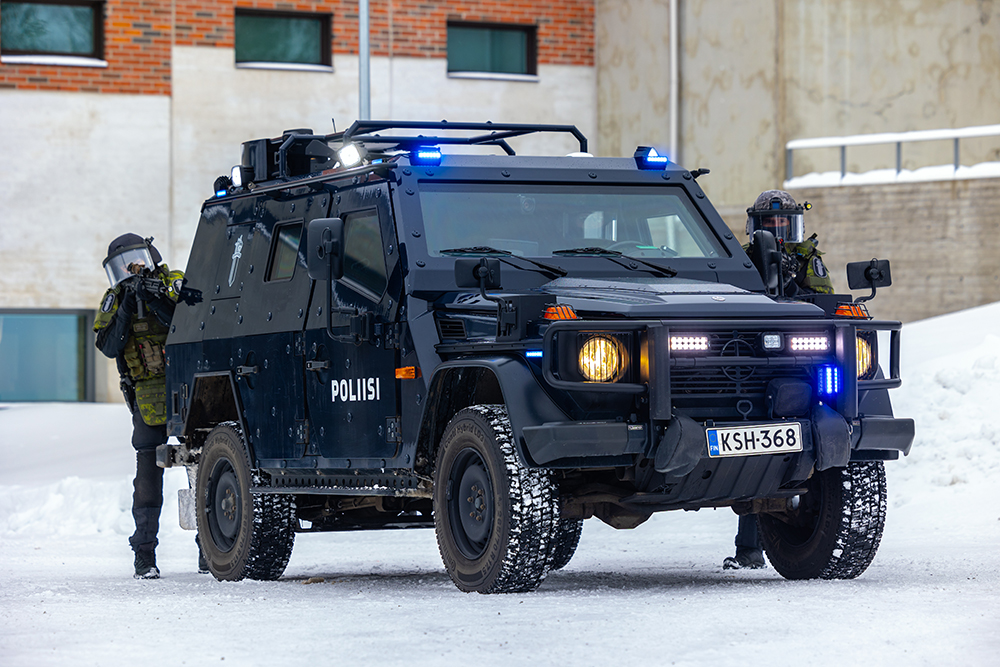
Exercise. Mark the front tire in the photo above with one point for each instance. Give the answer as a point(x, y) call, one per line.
point(836, 528)
point(495, 519)
point(243, 535)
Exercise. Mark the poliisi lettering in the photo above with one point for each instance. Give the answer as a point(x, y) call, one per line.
point(357, 389)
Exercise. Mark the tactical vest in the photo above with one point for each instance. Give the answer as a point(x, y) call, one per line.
point(144, 353)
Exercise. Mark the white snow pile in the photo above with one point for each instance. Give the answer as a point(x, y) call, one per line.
point(654, 595)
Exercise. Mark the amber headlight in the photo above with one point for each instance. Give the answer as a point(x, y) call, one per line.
point(602, 359)
point(866, 354)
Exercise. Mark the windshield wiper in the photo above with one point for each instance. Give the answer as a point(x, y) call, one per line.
point(549, 270)
point(617, 257)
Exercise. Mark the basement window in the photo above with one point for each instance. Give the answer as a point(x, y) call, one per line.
point(492, 48)
point(73, 28)
point(283, 40)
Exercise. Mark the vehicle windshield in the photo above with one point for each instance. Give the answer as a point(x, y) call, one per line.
point(541, 219)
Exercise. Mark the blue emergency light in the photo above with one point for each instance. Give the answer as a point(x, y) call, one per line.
point(646, 157)
point(430, 157)
point(533, 354)
point(828, 380)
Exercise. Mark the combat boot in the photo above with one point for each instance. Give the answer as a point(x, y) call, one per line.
point(745, 559)
point(145, 564)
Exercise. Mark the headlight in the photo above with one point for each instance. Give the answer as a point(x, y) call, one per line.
point(866, 354)
point(602, 359)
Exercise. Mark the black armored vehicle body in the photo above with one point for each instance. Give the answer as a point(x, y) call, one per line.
point(379, 335)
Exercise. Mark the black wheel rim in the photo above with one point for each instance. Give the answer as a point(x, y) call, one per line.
point(224, 506)
point(471, 504)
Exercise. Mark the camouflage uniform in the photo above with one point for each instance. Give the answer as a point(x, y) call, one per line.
point(137, 345)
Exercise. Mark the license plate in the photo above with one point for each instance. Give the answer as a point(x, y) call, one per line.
point(753, 440)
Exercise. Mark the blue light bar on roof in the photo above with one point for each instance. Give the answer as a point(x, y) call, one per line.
point(646, 157)
point(220, 193)
point(426, 156)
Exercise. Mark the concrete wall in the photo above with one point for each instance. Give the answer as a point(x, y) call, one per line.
point(78, 169)
point(943, 240)
point(633, 75)
point(756, 75)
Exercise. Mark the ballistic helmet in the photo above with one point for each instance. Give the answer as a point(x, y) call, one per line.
point(127, 255)
point(776, 212)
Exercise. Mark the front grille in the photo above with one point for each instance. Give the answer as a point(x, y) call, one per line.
point(733, 390)
point(736, 380)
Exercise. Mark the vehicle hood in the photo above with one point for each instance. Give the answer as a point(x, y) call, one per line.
point(670, 297)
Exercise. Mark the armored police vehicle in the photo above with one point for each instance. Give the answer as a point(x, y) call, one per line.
point(379, 332)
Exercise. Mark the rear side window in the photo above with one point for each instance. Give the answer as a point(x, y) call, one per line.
point(284, 252)
point(364, 262)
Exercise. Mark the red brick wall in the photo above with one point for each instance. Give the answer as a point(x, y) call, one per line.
point(136, 46)
point(137, 36)
point(419, 27)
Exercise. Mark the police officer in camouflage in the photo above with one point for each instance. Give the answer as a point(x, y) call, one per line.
point(131, 328)
point(803, 272)
point(802, 264)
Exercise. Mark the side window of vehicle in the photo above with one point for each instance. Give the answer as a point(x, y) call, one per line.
point(364, 261)
point(284, 252)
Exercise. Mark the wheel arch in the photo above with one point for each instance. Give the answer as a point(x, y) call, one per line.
point(215, 400)
point(465, 382)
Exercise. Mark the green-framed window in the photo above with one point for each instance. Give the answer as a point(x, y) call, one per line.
point(493, 48)
point(52, 28)
point(291, 38)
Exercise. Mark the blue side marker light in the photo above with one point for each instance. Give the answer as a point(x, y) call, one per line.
point(828, 380)
point(646, 157)
point(533, 354)
point(426, 156)
point(220, 193)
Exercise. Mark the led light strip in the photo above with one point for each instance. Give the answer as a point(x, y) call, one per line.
point(809, 343)
point(689, 342)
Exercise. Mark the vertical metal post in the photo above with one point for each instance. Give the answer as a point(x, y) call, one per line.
point(364, 73)
point(788, 164)
point(899, 157)
point(957, 163)
point(843, 162)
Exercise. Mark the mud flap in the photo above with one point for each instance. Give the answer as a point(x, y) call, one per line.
point(681, 447)
point(832, 438)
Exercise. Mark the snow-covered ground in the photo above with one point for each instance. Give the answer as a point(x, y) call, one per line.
point(656, 595)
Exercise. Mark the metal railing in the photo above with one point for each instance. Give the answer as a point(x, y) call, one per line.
point(898, 138)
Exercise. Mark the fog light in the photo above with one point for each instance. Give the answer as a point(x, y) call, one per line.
point(602, 359)
point(866, 357)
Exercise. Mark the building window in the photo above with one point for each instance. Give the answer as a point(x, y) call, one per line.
point(46, 355)
point(499, 49)
point(61, 28)
point(282, 38)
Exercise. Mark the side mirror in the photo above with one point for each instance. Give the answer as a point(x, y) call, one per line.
point(325, 247)
point(470, 272)
point(765, 256)
point(873, 274)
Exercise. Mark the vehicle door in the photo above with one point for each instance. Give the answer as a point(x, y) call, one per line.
point(350, 381)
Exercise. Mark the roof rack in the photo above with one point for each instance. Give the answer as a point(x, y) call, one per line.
point(497, 134)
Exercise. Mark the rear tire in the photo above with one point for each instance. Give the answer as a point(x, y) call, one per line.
point(835, 531)
point(243, 534)
point(495, 519)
